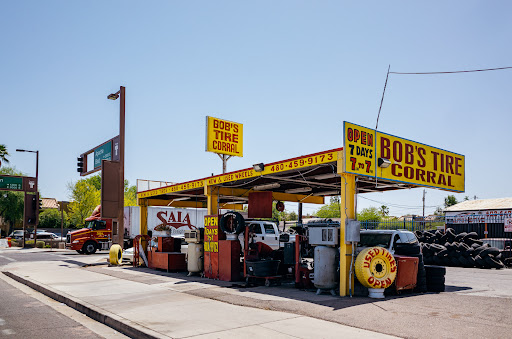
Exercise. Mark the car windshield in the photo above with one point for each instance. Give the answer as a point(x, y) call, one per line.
point(374, 239)
point(89, 224)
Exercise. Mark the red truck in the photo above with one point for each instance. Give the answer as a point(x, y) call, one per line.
point(96, 235)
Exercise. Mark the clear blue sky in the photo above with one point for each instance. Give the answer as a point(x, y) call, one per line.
point(290, 71)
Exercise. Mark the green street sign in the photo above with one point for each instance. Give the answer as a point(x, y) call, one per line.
point(103, 152)
point(11, 183)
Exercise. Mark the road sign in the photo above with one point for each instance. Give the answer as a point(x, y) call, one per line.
point(11, 183)
point(109, 150)
point(103, 152)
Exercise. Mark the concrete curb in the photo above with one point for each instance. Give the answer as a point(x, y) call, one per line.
point(120, 324)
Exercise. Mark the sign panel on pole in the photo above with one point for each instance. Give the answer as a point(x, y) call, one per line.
point(103, 152)
point(110, 189)
point(11, 183)
point(224, 137)
point(359, 150)
point(383, 156)
point(508, 225)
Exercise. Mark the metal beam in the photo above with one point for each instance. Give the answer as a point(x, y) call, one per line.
point(320, 184)
point(224, 191)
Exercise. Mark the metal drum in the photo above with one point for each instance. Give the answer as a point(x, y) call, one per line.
point(195, 257)
point(325, 267)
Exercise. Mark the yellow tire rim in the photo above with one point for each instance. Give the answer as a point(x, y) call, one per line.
point(375, 267)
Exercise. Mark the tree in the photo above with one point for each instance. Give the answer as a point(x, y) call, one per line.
point(439, 211)
point(384, 210)
point(130, 194)
point(450, 201)
point(291, 216)
point(50, 218)
point(84, 198)
point(331, 210)
point(11, 203)
point(4, 154)
point(369, 214)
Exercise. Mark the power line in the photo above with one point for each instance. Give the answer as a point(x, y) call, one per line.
point(452, 72)
point(398, 205)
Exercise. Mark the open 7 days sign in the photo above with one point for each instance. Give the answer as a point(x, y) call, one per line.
point(372, 153)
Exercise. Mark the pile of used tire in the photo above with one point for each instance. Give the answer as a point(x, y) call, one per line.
point(460, 250)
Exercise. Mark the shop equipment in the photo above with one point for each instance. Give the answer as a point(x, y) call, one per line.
point(195, 251)
point(167, 255)
point(407, 272)
point(324, 235)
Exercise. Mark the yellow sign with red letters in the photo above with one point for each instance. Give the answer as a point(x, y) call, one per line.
point(401, 160)
point(224, 137)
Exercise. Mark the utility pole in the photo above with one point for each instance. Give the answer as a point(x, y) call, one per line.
point(424, 192)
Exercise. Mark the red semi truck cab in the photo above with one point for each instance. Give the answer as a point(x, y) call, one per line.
point(97, 234)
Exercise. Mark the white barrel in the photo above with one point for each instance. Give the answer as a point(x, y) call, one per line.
point(195, 255)
point(325, 267)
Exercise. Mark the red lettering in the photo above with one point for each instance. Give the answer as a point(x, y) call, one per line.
point(409, 172)
point(450, 181)
point(421, 154)
point(235, 128)
point(394, 168)
point(384, 148)
point(435, 154)
point(420, 174)
point(235, 138)
point(441, 180)
point(397, 151)
point(363, 137)
point(350, 134)
point(457, 166)
point(371, 280)
point(370, 140)
point(356, 135)
point(215, 123)
point(409, 155)
point(228, 136)
point(431, 177)
point(449, 164)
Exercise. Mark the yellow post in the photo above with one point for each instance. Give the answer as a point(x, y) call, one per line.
point(347, 205)
point(143, 217)
point(212, 200)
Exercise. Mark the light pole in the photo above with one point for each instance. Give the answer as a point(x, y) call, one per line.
point(37, 203)
point(120, 219)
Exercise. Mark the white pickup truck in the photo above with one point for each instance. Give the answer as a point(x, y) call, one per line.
point(265, 232)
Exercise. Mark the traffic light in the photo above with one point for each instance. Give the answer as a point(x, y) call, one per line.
point(31, 209)
point(80, 164)
point(40, 203)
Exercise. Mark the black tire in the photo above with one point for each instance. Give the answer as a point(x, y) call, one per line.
point(473, 235)
point(436, 288)
point(455, 261)
point(89, 247)
point(407, 249)
point(435, 271)
point(80, 251)
point(475, 245)
point(235, 218)
point(490, 251)
point(464, 262)
point(450, 234)
point(480, 262)
point(460, 236)
point(494, 263)
point(438, 261)
point(442, 253)
point(435, 280)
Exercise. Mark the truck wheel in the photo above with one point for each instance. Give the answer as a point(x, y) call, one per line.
point(89, 247)
point(80, 251)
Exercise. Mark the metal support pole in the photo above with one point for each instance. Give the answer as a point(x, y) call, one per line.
point(299, 218)
point(37, 195)
point(24, 218)
point(120, 218)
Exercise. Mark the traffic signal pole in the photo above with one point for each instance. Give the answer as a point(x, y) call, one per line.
point(120, 219)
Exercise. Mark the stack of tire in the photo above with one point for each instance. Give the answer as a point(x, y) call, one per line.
point(459, 250)
point(435, 278)
point(414, 250)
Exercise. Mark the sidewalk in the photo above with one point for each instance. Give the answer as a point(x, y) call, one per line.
point(162, 304)
point(143, 304)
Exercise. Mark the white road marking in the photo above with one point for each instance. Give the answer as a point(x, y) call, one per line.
point(2, 322)
point(10, 259)
point(8, 332)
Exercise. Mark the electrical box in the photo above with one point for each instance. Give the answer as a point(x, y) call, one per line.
point(352, 230)
point(324, 235)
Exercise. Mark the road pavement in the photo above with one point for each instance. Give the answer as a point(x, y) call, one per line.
point(476, 303)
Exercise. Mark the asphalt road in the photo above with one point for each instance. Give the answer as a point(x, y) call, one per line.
point(25, 313)
point(23, 316)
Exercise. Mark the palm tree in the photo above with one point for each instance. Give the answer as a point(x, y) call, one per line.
point(3, 153)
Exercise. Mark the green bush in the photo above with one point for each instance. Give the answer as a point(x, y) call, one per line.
point(30, 243)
